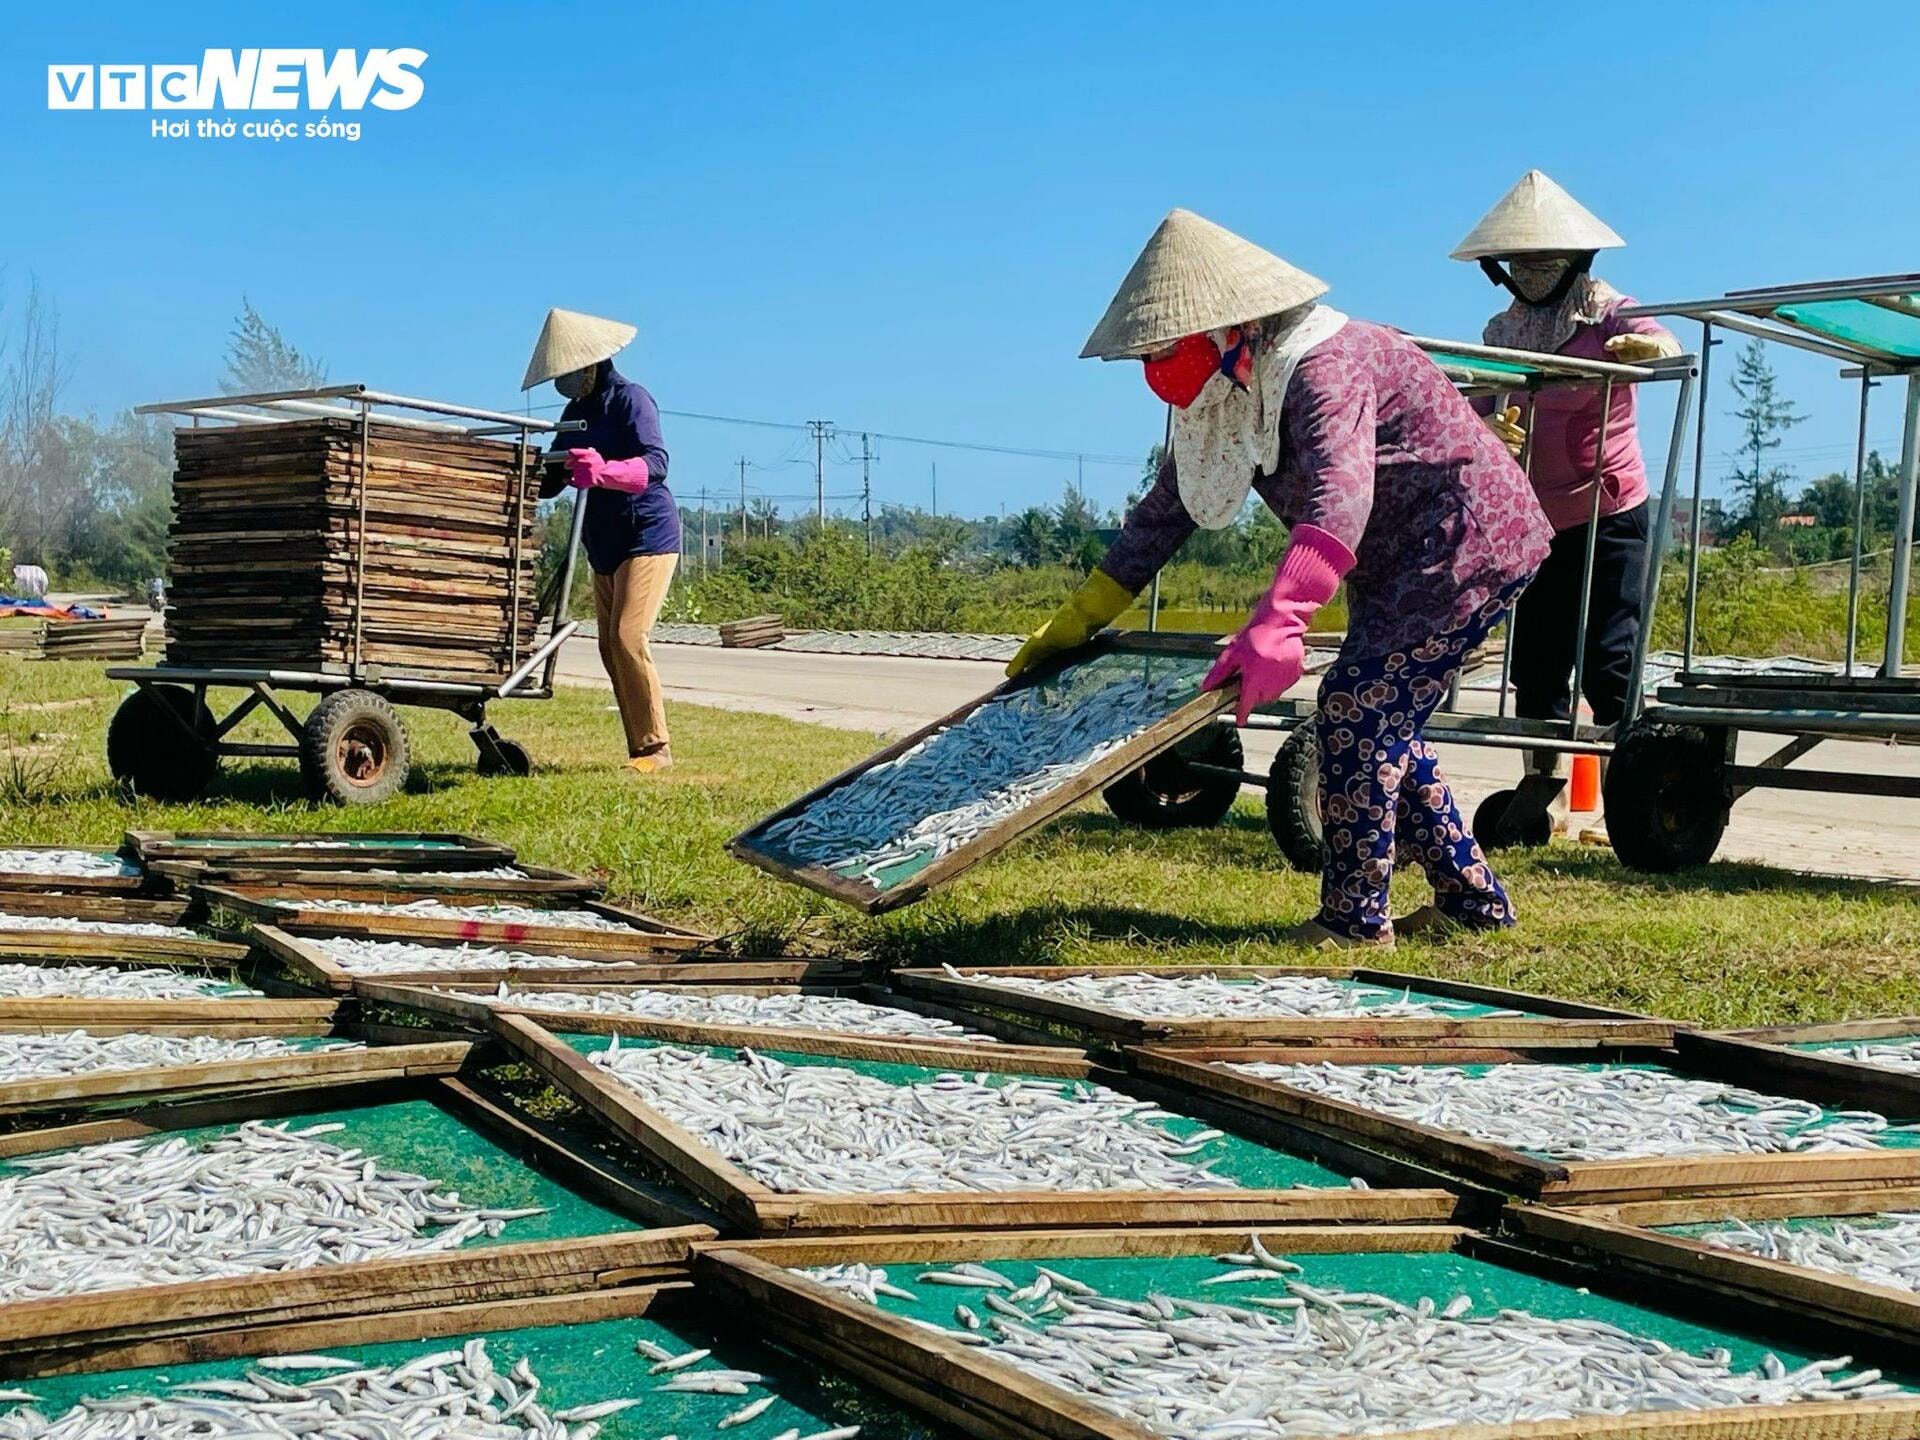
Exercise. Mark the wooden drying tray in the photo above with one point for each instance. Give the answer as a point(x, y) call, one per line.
point(466, 1004)
point(1851, 1082)
point(643, 932)
point(21, 943)
point(374, 849)
point(1573, 1182)
point(1623, 1238)
point(538, 882)
point(403, 1298)
point(968, 1388)
point(115, 909)
point(1549, 1022)
point(758, 1209)
point(238, 1015)
point(268, 1072)
point(303, 958)
point(14, 882)
point(751, 845)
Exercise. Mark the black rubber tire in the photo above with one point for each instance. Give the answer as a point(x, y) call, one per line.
point(513, 759)
point(353, 749)
point(147, 750)
point(1487, 825)
point(1166, 794)
point(1293, 800)
point(1666, 798)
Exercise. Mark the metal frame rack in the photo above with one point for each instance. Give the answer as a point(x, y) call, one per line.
point(1196, 783)
point(198, 740)
point(1675, 777)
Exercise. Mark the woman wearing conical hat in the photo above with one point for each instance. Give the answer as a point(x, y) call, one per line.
point(1539, 244)
point(1388, 480)
point(632, 528)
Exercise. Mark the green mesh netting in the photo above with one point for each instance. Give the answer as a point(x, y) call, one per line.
point(581, 1364)
point(424, 1139)
point(1860, 323)
point(1253, 1165)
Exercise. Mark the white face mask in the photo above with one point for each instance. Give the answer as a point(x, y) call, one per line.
point(1536, 277)
point(574, 383)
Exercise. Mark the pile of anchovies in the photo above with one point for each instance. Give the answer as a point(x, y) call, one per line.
point(65, 864)
point(35, 1057)
point(1275, 1356)
point(1881, 1249)
point(1277, 997)
point(110, 982)
point(1002, 757)
point(1575, 1112)
point(396, 957)
point(721, 1007)
point(454, 1394)
point(827, 1128)
point(1901, 1054)
point(262, 1197)
point(67, 923)
point(491, 914)
point(493, 872)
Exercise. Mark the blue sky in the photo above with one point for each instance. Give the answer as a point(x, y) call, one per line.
point(907, 218)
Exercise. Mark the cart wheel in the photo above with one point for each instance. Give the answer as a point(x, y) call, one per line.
point(507, 757)
point(1166, 793)
point(1495, 829)
point(1666, 799)
point(353, 749)
point(1293, 800)
point(148, 751)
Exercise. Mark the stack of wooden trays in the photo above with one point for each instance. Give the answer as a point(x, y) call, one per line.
point(95, 639)
point(753, 632)
point(270, 565)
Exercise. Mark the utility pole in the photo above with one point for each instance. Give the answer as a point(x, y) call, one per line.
point(703, 529)
point(743, 497)
point(820, 429)
point(934, 467)
point(866, 486)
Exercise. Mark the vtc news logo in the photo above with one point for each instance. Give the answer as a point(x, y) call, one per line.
point(247, 80)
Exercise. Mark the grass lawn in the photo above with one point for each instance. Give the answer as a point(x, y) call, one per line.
point(1727, 945)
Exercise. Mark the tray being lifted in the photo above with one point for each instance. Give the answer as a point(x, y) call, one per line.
point(1188, 710)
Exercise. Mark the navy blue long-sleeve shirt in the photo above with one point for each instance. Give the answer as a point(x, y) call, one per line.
point(622, 422)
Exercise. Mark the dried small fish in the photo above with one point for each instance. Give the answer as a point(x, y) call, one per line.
point(66, 864)
point(1585, 1112)
point(1902, 1054)
point(720, 1007)
point(111, 982)
point(1879, 1249)
point(487, 914)
point(826, 1127)
point(394, 957)
point(1224, 996)
point(32, 1057)
point(67, 924)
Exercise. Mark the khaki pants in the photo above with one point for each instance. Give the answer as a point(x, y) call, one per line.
point(626, 604)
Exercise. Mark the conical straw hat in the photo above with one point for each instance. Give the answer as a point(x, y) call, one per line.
point(571, 341)
point(1195, 276)
point(1536, 215)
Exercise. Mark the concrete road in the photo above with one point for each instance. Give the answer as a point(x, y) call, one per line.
point(1866, 836)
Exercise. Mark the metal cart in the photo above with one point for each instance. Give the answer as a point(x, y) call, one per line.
point(1196, 782)
point(165, 741)
point(1675, 774)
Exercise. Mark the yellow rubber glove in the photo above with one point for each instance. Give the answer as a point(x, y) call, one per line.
point(1506, 425)
point(1087, 612)
point(1638, 349)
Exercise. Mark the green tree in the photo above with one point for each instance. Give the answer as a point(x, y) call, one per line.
point(1764, 419)
point(1033, 538)
point(261, 360)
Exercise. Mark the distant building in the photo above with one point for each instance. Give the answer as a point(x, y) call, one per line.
point(1712, 523)
point(1798, 522)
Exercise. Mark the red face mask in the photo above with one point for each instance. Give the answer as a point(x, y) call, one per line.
point(1182, 373)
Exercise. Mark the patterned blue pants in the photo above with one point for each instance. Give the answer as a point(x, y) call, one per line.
point(1381, 788)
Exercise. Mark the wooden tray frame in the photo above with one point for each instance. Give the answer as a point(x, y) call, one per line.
point(1553, 1021)
point(965, 1388)
point(1851, 1082)
point(106, 909)
point(758, 1209)
point(15, 882)
point(311, 965)
point(150, 845)
point(1162, 735)
point(241, 1015)
point(205, 1318)
point(540, 882)
point(646, 932)
point(461, 1004)
point(1623, 1237)
point(1572, 1182)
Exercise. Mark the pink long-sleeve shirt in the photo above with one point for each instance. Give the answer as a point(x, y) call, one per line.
point(1566, 430)
point(1378, 449)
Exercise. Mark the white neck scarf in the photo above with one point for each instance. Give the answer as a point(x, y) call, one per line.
point(1228, 434)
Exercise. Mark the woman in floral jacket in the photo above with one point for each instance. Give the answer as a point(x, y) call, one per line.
point(1387, 480)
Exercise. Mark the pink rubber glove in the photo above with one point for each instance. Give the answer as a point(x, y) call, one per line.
point(1269, 654)
point(588, 470)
